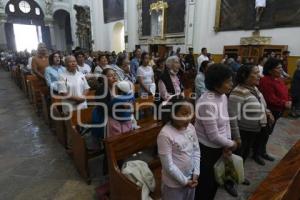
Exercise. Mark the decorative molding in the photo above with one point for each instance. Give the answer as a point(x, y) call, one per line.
point(160, 5)
point(256, 39)
point(166, 41)
point(140, 20)
point(48, 7)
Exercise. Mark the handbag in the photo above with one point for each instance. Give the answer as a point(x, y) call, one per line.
point(229, 169)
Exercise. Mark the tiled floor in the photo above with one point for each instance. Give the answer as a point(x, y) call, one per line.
point(33, 165)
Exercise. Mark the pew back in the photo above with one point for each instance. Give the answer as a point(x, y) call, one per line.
point(283, 181)
point(79, 151)
point(120, 148)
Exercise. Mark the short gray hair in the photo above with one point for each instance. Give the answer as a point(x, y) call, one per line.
point(170, 60)
point(68, 58)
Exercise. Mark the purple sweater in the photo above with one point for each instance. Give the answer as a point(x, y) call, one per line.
point(212, 121)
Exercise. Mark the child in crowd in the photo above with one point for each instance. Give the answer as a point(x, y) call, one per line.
point(179, 151)
point(121, 106)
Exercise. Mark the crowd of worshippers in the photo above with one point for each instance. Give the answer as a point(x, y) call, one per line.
point(236, 107)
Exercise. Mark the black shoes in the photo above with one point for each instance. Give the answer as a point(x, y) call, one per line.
point(267, 157)
point(246, 182)
point(259, 161)
point(229, 186)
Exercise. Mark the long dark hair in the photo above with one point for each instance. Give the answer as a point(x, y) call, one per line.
point(51, 57)
point(144, 54)
point(104, 72)
point(203, 66)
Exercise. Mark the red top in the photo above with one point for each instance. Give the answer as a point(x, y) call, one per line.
point(275, 92)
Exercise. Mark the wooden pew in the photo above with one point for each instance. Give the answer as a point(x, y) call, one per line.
point(283, 182)
point(46, 102)
point(24, 75)
point(59, 125)
point(37, 86)
point(80, 153)
point(29, 80)
point(45, 95)
point(120, 148)
point(144, 105)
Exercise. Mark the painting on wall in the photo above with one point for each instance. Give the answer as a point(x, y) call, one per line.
point(241, 14)
point(113, 10)
point(175, 17)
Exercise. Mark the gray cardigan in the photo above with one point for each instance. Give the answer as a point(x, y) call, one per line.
point(246, 111)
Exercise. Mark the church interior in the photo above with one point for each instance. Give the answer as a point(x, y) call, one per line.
point(149, 99)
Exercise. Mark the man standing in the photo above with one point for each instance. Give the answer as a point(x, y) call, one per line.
point(202, 57)
point(82, 66)
point(189, 59)
point(40, 61)
point(285, 56)
point(135, 62)
point(73, 86)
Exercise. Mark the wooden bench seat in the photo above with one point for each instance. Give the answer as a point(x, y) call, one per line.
point(283, 182)
point(80, 153)
point(120, 148)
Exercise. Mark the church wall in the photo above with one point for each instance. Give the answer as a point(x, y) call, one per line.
point(207, 37)
point(55, 37)
point(102, 33)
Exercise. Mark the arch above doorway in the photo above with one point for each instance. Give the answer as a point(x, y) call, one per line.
point(24, 12)
point(118, 40)
point(62, 30)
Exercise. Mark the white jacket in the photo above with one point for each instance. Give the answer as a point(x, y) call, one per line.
point(138, 172)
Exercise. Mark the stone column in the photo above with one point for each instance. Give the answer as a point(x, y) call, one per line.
point(189, 22)
point(201, 21)
point(98, 29)
point(132, 24)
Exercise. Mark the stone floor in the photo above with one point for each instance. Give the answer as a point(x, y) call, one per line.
point(34, 166)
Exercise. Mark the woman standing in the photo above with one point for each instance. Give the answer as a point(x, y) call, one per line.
point(123, 70)
point(102, 64)
point(53, 71)
point(169, 83)
point(247, 109)
point(213, 127)
point(145, 76)
point(200, 79)
point(276, 95)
